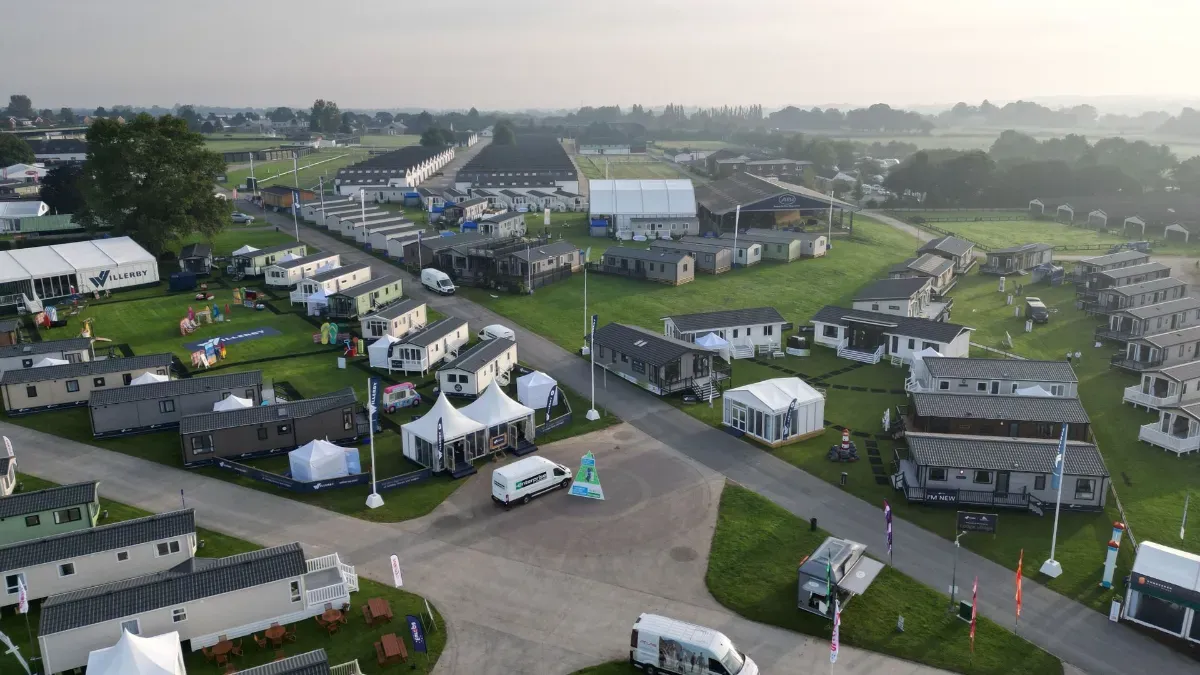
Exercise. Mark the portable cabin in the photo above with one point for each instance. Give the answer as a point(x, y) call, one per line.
point(903, 296)
point(474, 369)
point(196, 259)
point(279, 197)
point(396, 320)
point(30, 354)
point(507, 224)
point(959, 251)
point(362, 299)
point(254, 263)
point(867, 336)
point(30, 390)
point(1017, 259)
point(287, 273)
point(25, 516)
point(1005, 414)
point(748, 331)
point(668, 267)
point(270, 429)
point(160, 405)
point(745, 252)
point(331, 281)
point(993, 377)
point(422, 350)
point(710, 258)
point(659, 364)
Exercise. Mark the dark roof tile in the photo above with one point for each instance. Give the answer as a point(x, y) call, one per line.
point(1003, 454)
point(1001, 369)
point(922, 329)
point(1002, 407)
point(24, 503)
point(639, 343)
point(97, 539)
point(86, 369)
point(728, 318)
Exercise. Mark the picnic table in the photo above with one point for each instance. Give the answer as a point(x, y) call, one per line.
point(390, 648)
point(222, 648)
point(275, 634)
point(377, 610)
point(332, 616)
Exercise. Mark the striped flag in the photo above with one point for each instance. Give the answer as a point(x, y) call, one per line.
point(834, 645)
point(887, 516)
point(828, 581)
point(1020, 564)
point(22, 595)
point(974, 607)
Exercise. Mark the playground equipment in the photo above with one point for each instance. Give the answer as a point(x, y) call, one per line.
point(403, 395)
point(209, 353)
point(846, 452)
point(87, 331)
point(186, 326)
point(203, 316)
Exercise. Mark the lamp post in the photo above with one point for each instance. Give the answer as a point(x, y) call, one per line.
point(587, 347)
point(954, 570)
point(737, 216)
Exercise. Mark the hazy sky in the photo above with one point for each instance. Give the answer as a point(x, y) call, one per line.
point(564, 53)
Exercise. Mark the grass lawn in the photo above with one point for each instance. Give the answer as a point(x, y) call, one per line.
point(397, 141)
point(556, 311)
point(325, 163)
point(1003, 233)
point(240, 143)
point(752, 570)
point(625, 166)
point(965, 215)
point(354, 641)
point(692, 145)
point(232, 238)
point(611, 668)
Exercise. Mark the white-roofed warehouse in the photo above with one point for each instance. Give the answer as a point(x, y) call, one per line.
point(58, 270)
point(652, 208)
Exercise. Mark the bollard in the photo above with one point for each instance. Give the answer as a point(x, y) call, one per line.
point(812, 524)
point(845, 477)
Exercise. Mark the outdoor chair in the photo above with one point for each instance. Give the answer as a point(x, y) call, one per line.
point(237, 648)
point(332, 627)
point(279, 655)
point(260, 641)
point(230, 669)
point(222, 659)
point(208, 655)
point(321, 622)
point(290, 635)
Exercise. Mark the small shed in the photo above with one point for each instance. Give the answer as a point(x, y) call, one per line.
point(838, 562)
point(1064, 214)
point(196, 258)
point(775, 412)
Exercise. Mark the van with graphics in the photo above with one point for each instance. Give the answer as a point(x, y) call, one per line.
point(658, 644)
point(525, 479)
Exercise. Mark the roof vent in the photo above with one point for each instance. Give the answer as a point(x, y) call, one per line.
point(640, 343)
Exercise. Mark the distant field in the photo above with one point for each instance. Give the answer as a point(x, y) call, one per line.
point(982, 139)
point(625, 167)
point(962, 216)
point(391, 141)
point(323, 163)
point(692, 145)
point(1003, 233)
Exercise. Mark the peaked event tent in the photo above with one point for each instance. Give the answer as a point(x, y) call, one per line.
point(759, 410)
point(918, 371)
point(534, 389)
point(317, 301)
point(318, 460)
point(245, 250)
point(459, 434)
point(149, 378)
point(232, 403)
point(494, 408)
point(134, 655)
point(712, 341)
point(288, 257)
point(378, 351)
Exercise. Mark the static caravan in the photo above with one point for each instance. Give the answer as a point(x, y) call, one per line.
point(1014, 416)
point(310, 212)
point(748, 331)
point(160, 405)
point(938, 270)
point(396, 320)
point(476, 368)
point(254, 263)
point(270, 429)
point(360, 300)
point(668, 267)
point(959, 251)
point(331, 281)
point(1017, 259)
point(507, 224)
point(379, 240)
point(992, 377)
point(333, 221)
point(8, 475)
point(230, 597)
point(711, 259)
point(659, 364)
point(335, 210)
point(1153, 352)
point(903, 296)
point(68, 562)
point(746, 252)
point(349, 226)
point(30, 390)
point(422, 350)
point(867, 336)
point(363, 234)
point(25, 516)
point(285, 274)
point(29, 354)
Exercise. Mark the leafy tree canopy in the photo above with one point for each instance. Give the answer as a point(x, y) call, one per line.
point(60, 189)
point(14, 150)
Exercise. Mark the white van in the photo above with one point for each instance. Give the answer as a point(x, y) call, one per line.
point(661, 645)
point(497, 331)
point(437, 281)
point(525, 479)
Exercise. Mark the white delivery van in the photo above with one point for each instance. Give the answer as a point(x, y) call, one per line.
point(525, 479)
point(497, 331)
point(437, 281)
point(661, 645)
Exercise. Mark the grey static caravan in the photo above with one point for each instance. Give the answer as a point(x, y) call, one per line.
point(29, 354)
point(507, 224)
point(333, 221)
point(363, 234)
point(71, 561)
point(349, 227)
point(396, 320)
point(418, 352)
point(992, 377)
point(31, 390)
point(746, 252)
point(285, 274)
point(331, 281)
point(476, 368)
point(203, 602)
point(310, 211)
point(711, 259)
point(160, 405)
point(381, 240)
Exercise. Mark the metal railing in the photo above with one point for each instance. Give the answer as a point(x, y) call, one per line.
point(1136, 396)
point(1017, 500)
point(350, 668)
point(1152, 434)
point(1122, 361)
point(1105, 333)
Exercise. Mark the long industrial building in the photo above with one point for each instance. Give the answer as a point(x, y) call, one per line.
point(387, 177)
point(536, 162)
point(59, 270)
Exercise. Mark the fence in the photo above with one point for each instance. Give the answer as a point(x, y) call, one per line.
point(288, 483)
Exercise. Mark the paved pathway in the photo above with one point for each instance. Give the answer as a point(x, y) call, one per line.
point(1076, 634)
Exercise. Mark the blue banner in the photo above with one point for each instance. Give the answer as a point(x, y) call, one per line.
point(375, 397)
point(550, 401)
point(288, 483)
point(296, 201)
point(403, 479)
point(1059, 460)
point(418, 633)
point(787, 419)
point(441, 446)
point(595, 318)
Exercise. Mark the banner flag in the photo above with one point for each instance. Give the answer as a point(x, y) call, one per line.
point(587, 480)
point(887, 516)
point(1059, 460)
point(1020, 564)
point(974, 608)
point(834, 645)
point(418, 633)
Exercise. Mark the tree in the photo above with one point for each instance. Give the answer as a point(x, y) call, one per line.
point(189, 115)
point(207, 127)
point(151, 179)
point(46, 114)
point(436, 137)
point(503, 133)
point(384, 118)
point(473, 114)
point(281, 115)
point(66, 116)
point(1187, 175)
point(325, 116)
point(348, 122)
point(14, 150)
point(60, 189)
point(100, 112)
point(19, 105)
point(238, 120)
point(252, 116)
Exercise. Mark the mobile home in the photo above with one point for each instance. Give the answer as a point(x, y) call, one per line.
point(30, 390)
point(30, 354)
point(709, 258)
point(668, 267)
point(254, 263)
point(473, 370)
point(360, 300)
point(659, 364)
point(331, 281)
point(41, 513)
point(395, 320)
point(160, 405)
point(420, 351)
point(285, 274)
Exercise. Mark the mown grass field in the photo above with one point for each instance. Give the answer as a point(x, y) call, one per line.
point(240, 142)
point(324, 163)
point(752, 570)
point(354, 641)
point(398, 141)
point(692, 145)
point(625, 166)
point(1003, 233)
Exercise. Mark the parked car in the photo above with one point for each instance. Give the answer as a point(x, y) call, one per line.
point(239, 217)
point(497, 331)
point(1036, 311)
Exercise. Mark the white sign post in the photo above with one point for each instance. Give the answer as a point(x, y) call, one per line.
point(396, 578)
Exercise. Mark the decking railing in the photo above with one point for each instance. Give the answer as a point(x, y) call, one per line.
point(1152, 434)
point(350, 668)
point(1121, 361)
point(1136, 396)
point(1013, 500)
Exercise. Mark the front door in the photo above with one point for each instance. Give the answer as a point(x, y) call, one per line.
point(1001, 483)
point(1014, 429)
point(995, 387)
point(895, 344)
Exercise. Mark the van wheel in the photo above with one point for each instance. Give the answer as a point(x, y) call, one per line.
point(525, 499)
point(566, 483)
point(650, 670)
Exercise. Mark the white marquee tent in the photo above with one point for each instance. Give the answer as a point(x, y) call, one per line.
point(378, 351)
point(626, 199)
point(149, 378)
point(232, 403)
point(134, 655)
point(534, 389)
point(317, 302)
point(502, 415)
point(462, 437)
point(58, 270)
point(759, 410)
point(319, 460)
point(918, 371)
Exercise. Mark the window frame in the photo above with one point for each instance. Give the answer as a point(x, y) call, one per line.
point(98, 381)
point(1091, 491)
point(1039, 482)
point(934, 472)
point(75, 511)
point(66, 569)
point(18, 579)
point(296, 593)
point(70, 384)
point(177, 613)
point(37, 520)
point(122, 553)
point(981, 472)
point(166, 406)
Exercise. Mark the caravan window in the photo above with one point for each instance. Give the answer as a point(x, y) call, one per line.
point(1085, 488)
point(347, 419)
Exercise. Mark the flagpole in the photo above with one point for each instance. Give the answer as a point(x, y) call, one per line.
point(737, 216)
point(592, 414)
point(1051, 567)
point(1183, 523)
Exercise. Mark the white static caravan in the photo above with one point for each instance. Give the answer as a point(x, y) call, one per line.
point(350, 223)
point(362, 233)
point(395, 320)
point(479, 366)
point(868, 337)
point(761, 410)
point(332, 211)
point(333, 221)
point(396, 244)
point(330, 282)
point(310, 212)
point(420, 351)
point(285, 274)
point(377, 240)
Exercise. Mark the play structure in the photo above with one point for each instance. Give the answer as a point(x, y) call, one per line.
point(206, 315)
point(846, 452)
point(247, 298)
point(403, 395)
point(209, 352)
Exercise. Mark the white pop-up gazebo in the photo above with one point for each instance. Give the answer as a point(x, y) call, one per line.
point(232, 403)
point(462, 438)
point(50, 361)
point(534, 389)
point(716, 343)
point(319, 460)
point(244, 251)
point(776, 411)
point(918, 372)
point(317, 302)
point(149, 378)
point(378, 351)
point(507, 422)
point(134, 655)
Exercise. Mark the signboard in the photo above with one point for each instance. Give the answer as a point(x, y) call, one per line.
point(546, 217)
point(418, 633)
point(403, 479)
point(550, 401)
point(977, 522)
point(499, 441)
point(396, 578)
point(941, 496)
point(1165, 590)
point(587, 480)
point(288, 483)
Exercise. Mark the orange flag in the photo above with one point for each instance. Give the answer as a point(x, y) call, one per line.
point(1020, 563)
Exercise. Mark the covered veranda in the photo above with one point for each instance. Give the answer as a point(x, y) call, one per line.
point(769, 203)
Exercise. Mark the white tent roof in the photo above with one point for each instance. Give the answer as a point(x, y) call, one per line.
point(245, 250)
point(318, 460)
point(495, 407)
point(319, 296)
point(134, 655)
point(454, 423)
point(712, 341)
point(123, 250)
point(775, 394)
point(1168, 564)
point(83, 255)
point(535, 378)
point(42, 261)
point(637, 197)
point(535, 388)
point(10, 269)
point(378, 350)
point(23, 208)
point(926, 353)
point(149, 378)
point(1035, 390)
point(50, 361)
point(232, 403)
point(288, 257)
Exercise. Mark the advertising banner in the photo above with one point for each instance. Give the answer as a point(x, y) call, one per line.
point(417, 631)
point(587, 480)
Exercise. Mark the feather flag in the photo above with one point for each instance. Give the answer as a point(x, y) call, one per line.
point(834, 644)
point(887, 516)
point(974, 607)
point(1020, 564)
point(22, 595)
